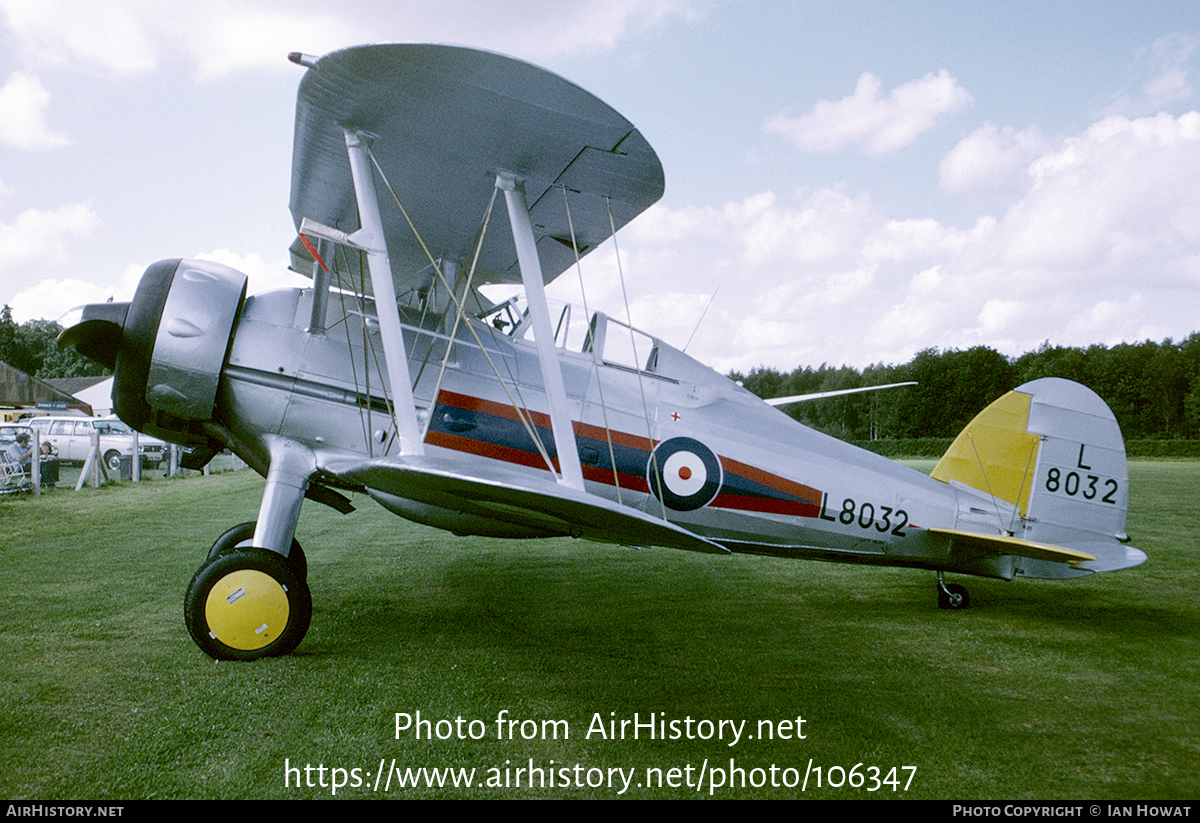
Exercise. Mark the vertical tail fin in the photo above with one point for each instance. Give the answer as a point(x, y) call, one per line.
point(1053, 451)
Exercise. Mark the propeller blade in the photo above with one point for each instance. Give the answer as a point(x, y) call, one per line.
point(99, 334)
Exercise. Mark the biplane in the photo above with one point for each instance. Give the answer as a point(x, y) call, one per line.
point(422, 175)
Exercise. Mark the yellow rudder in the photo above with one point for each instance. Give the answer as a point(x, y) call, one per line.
point(995, 453)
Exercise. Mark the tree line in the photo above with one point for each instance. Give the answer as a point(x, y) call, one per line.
point(1152, 388)
point(33, 348)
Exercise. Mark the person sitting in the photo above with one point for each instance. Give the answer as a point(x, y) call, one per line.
point(49, 467)
point(17, 456)
point(19, 451)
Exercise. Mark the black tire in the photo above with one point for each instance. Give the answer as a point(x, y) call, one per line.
point(241, 535)
point(247, 604)
point(955, 597)
point(112, 459)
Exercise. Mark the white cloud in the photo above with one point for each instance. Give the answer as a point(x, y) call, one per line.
point(50, 299)
point(880, 125)
point(992, 163)
point(112, 37)
point(817, 234)
point(923, 239)
point(51, 296)
point(39, 238)
point(129, 37)
point(23, 103)
point(262, 275)
point(34, 249)
point(539, 28)
point(1122, 191)
point(1182, 272)
point(1158, 76)
point(1102, 247)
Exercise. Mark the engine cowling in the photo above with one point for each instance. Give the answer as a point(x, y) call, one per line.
point(167, 347)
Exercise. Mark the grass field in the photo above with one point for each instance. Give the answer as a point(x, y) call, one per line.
point(1043, 689)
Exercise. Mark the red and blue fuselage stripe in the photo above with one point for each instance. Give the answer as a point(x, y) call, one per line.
point(494, 430)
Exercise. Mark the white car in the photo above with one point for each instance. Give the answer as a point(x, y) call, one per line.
point(9, 432)
point(72, 437)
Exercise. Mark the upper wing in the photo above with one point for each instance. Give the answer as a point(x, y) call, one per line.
point(445, 120)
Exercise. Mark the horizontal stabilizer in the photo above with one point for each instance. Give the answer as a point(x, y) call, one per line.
point(1110, 556)
point(999, 544)
point(821, 395)
point(514, 497)
point(1043, 559)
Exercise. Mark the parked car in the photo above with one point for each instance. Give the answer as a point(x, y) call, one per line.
point(9, 432)
point(72, 436)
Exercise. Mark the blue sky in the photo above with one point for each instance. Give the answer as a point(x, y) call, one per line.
point(855, 181)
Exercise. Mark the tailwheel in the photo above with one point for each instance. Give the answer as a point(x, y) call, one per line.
point(247, 603)
point(241, 536)
point(952, 595)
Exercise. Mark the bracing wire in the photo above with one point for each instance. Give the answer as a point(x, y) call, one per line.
point(707, 306)
point(655, 472)
point(986, 480)
point(1024, 477)
point(522, 413)
point(364, 395)
point(364, 420)
point(458, 314)
point(595, 356)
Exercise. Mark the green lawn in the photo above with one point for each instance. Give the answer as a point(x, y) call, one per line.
point(1043, 689)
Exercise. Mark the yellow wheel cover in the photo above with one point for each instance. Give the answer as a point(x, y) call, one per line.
point(246, 610)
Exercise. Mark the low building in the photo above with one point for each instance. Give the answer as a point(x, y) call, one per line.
point(21, 392)
point(92, 391)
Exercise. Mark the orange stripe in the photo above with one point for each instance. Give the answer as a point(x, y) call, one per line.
point(631, 441)
point(486, 449)
point(465, 401)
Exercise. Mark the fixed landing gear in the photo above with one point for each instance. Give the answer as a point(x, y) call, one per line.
point(246, 603)
point(248, 600)
point(241, 536)
point(951, 595)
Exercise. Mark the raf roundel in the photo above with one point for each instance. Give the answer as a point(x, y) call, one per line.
point(684, 473)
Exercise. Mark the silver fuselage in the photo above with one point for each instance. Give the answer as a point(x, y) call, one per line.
point(781, 488)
